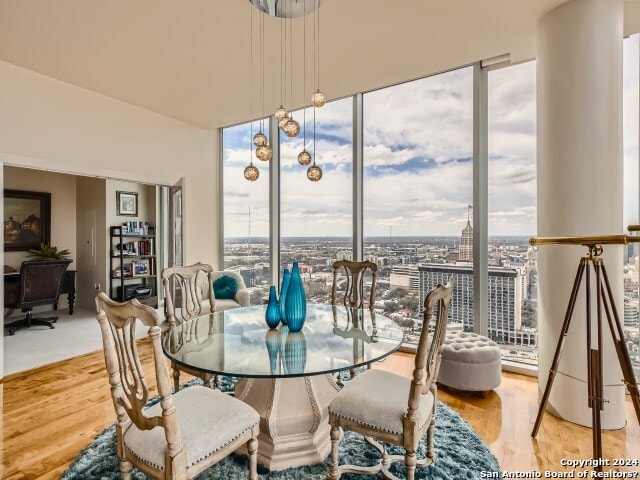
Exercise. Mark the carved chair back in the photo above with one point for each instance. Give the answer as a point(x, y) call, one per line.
point(355, 273)
point(429, 353)
point(189, 289)
point(129, 387)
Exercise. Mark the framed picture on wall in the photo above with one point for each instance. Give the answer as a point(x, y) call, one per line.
point(27, 219)
point(127, 203)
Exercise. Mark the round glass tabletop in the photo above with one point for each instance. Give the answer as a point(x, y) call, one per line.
point(238, 342)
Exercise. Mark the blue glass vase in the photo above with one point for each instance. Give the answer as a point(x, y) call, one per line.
point(296, 301)
point(286, 277)
point(272, 339)
point(295, 353)
point(272, 315)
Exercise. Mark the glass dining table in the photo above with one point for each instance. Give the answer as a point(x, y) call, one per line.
point(288, 377)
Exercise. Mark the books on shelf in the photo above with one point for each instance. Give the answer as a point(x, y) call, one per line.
point(136, 228)
point(138, 248)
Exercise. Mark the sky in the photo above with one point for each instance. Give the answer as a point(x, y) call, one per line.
point(417, 160)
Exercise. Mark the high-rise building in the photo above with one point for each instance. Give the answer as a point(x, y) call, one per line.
point(405, 277)
point(466, 241)
point(504, 295)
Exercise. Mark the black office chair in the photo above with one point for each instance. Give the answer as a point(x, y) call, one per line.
point(39, 284)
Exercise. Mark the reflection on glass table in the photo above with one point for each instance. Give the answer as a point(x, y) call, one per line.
point(285, 375)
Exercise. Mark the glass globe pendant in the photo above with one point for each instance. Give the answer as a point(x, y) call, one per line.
point(304, 157)
point(259, 139)
point(264, 153)
point(291, 128)
point(318, 99)
point(314, 173)
point(251, 173)
point(282, 122)
point(281, 112)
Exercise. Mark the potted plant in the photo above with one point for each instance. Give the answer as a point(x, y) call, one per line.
point(48, 252)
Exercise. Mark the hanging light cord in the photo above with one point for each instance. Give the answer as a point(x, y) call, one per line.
point(251, 87)
point(318, 45)
point(291, 65)
point(304, 76)
point(262, 68)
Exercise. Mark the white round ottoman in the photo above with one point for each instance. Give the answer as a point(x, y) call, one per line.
point(470, 362)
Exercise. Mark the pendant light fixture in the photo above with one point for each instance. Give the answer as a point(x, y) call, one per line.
point(291, 128)
point(318, 98)
point(251, 173)
point(263, 150)
point(314, 172)
point(304, 157)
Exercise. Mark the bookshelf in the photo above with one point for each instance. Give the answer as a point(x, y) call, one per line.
point(133, 263)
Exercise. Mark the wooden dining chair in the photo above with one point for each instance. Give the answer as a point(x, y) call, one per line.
point(384, 406)
point(354, 293)
point(188, 294)
point(354, 273)
point(185, 432)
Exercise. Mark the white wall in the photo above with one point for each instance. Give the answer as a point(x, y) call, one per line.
point(55, 126)
point(47, 124)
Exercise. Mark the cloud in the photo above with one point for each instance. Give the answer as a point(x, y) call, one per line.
point(417, 160)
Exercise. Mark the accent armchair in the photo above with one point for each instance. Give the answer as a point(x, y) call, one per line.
point(241, 297)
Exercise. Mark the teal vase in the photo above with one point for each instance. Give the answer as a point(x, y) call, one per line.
point(286, 277)
point(295, 353)
point(272, 339)
point(272, 315)
point(295, 301)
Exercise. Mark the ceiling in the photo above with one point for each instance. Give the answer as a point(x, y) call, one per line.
point(191, 60)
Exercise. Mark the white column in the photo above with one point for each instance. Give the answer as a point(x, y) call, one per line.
point(579, 188)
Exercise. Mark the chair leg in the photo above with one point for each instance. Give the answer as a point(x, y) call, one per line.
point(125, 469)
point(410, 461)
point(430, 448)
point(176, 379)
point(252, 450)
point(336, 437)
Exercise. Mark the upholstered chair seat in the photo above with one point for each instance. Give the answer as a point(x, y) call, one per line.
point(385, 395)
point(202, 435)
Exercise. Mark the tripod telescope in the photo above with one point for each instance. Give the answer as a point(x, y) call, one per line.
point(604, 300)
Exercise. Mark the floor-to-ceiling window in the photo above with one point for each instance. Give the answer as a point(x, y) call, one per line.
point(512, 274)
point(631, 132)
point(418, 190)
point(316, 217)
point(246, 209)
point(417, 199)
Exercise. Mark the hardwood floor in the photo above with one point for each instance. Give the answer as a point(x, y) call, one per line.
point(50, 413)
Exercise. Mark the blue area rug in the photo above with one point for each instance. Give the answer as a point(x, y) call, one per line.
point(461, 455)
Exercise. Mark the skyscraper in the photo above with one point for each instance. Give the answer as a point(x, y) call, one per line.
point(505, 300)
point(466, 240)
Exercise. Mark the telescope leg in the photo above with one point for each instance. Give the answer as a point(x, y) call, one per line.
point(560, 345)
point(617, 334)
point(596, 380)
